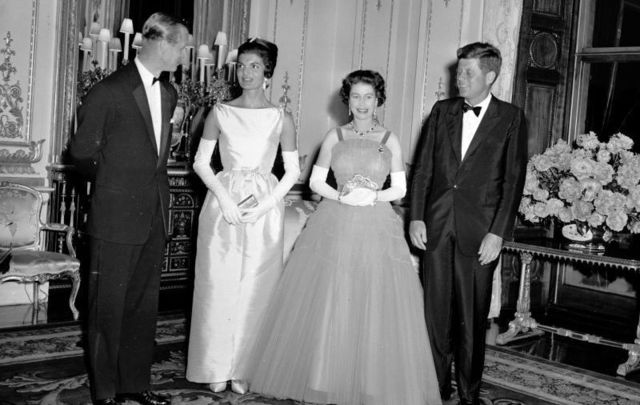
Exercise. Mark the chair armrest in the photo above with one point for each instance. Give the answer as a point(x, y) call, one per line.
point(69, 230)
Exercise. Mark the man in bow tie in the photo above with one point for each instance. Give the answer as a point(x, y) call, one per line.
point(467, 182)
point(122, 144)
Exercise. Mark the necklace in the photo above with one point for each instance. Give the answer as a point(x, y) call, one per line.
point(358, 132)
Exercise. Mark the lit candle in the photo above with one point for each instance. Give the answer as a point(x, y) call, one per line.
point(203, 55)
point(221, 42)
point(137, 42)
point(103, 40)
point(114, 48)
point(86, 47)
point(94, 33)
point(231, 62)
point(127, 29)
point(188, 54)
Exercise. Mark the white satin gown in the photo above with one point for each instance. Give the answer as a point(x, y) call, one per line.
point(237, 266)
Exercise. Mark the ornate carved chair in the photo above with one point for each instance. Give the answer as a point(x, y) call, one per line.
point(22, 254)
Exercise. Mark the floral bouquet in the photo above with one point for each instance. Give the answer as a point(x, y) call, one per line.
point(197, 94)
point(594, 186)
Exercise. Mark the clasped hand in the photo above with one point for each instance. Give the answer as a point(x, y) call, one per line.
point(359, 197)
point(230, 211)
point(235, 215)
point(251, 215)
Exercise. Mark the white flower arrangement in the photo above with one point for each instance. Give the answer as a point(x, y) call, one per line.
point(594, 185)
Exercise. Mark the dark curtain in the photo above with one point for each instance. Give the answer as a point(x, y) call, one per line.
point(140, 10)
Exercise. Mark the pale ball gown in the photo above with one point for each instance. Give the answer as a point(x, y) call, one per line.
point(236, 266)
point(346, 322)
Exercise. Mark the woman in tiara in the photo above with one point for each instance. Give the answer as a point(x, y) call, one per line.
point(346, 322)
point(240, 233)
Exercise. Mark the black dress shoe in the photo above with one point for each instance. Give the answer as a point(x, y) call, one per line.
point(108, 401)
point(145, 398)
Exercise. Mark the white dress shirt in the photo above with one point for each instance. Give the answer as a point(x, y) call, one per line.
point(153, 97)
point(470, 124)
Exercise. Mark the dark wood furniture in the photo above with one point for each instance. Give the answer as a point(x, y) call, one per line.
point(69, 205)
point(524, 325)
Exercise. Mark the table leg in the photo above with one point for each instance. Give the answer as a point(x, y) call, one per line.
point(74, 293)
point(633, 361)
point(523, 322)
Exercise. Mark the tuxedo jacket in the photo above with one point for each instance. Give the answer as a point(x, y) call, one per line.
point(115, 146)
point(481, 192)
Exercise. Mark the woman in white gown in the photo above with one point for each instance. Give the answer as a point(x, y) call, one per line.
point(240, 234)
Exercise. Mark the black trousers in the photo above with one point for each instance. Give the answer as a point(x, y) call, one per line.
point(124, 284)
point(457, 296)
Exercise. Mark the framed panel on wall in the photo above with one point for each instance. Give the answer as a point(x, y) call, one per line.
point(17, 149)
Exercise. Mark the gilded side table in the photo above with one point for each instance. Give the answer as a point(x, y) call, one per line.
point(524, 325)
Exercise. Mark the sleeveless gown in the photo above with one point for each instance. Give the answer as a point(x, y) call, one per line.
point(346, 322)
point(236, 266)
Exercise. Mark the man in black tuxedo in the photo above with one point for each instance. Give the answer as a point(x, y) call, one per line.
point(122, 144)
point(466, 189)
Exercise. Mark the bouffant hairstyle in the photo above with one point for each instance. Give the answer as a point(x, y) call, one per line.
point(266, 50)
point(489, 56)
point(363, 76)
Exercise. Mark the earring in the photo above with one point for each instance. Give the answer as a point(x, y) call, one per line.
point(265, 84)
point(375, 116)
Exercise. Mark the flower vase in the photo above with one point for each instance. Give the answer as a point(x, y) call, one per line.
point(583, 239)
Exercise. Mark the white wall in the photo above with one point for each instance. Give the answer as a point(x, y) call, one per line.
point(412, 43)
point(32, 24)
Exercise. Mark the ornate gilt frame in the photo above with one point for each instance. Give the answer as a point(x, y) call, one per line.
point(66, 68)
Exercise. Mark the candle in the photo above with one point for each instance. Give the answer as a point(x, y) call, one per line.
point(127, 29)
point(103, 40)
point(231, 61)
point(207, 73)
point(203, 55)
point(94, 33)
point(221, 42)
point(115, 47)
point(233, 76)
point(187, 59)
point(137, 41)
point(190, 56)
point(232, 56)
point(86, 47)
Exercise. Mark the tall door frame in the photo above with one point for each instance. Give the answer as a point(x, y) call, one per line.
point(544, 73)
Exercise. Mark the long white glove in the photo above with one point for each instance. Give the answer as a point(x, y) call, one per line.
point(358, 197)
point(397, 190)
point(318, 183)
point(291, 175)
point(201, 165)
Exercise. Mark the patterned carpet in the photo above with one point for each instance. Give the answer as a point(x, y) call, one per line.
point(47, 368)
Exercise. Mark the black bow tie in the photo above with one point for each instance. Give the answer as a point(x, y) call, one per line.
point(157, 79)
point(476, 110)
